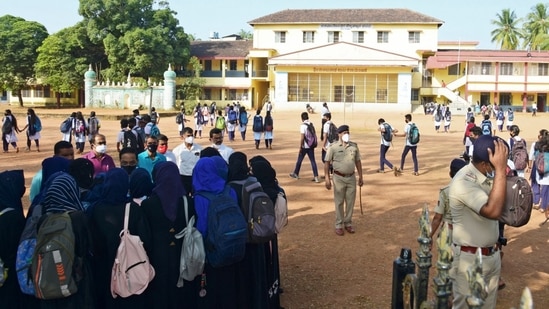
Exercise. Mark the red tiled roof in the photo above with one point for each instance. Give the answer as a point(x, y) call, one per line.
point(444, 59)
point(231, 50)
point(346, 16)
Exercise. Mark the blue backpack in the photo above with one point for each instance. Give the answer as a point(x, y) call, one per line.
point(227, 230)
point(511, 115)
point(37, 124)
point(232, 117)
point(25, 251)
point(486, 126)
point(258, 124)
point(243, 118)
point(154, 130)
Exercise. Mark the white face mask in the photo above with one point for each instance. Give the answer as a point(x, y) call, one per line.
point(189, 139)
point(345, 137)
point(101, 148)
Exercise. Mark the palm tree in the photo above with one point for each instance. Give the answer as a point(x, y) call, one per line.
point(506, 35)
point(536, 27)
point(245, 35)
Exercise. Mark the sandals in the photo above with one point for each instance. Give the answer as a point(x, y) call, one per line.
point(339, 231)
point(350, 229)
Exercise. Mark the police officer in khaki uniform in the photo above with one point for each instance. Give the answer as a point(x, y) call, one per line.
point(477, 195)
point(344, 156)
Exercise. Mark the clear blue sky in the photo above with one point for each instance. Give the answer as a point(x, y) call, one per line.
point(465, 20)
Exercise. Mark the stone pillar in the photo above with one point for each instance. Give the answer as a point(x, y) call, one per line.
point(89, 81)
point(169, 89)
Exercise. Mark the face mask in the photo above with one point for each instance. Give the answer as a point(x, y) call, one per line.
point(345, 138)
point(162, 149)
point(129, 168)
point(101, 148)
point(189, 139)
point(152, 148)
point(491, 174)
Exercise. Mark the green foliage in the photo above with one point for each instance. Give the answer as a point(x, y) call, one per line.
point(137, 38)
point(63, 57)
point(536, 27)
point(193, 86)
point(245, 35)
point(20, 40)
point(506, 34)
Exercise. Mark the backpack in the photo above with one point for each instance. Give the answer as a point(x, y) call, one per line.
point(154, 116)
point(500, 115)
point(220, 123)
point(258, 124)
point(332, 133)
point(510, 115)
point(66, 125)
point(518, 202)
point(193, 256)
point(388, 134)
point(232, 117)
point(179, 118)
point(154, 130)
point(519, 154)
point(132, 270)
point(7, 125)
point(212, 109)
point(3, 269)
point(199, 118)
point(258, 210)
point(541, 162)
point(37, 124)
point(227, 230)
point(53, 258)
point(80, 126)
point(310, 136)
point(130, 140)
point(243, 118)
point(140, 140)
point(448, 116)
point(413, 134)
point(486, 126)
point(281, 211)
point(93, 125)
point(438, 117)
point(25, 251)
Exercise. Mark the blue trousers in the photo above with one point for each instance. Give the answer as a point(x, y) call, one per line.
point(414, 157)
point(382, 160)
point(310, 152)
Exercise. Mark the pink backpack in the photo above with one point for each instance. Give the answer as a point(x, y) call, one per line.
point(132, 271)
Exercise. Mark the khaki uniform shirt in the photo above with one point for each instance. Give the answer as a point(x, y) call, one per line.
point(343, 158)
point(443, 206)
point(469, 191)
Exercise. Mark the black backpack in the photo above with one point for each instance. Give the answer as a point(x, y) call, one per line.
point(258, 210)
point(7, 125)
point(258, 124)
point(388, 134)
point(332, 133)
point(130, 140)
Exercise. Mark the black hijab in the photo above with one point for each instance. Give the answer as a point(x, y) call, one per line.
point(238, 166)
point(12, 188)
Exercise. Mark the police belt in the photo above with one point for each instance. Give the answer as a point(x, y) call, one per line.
point(344, 175)
point(487, 251)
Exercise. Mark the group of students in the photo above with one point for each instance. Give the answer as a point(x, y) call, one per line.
point(10, 129)
point(96, 206)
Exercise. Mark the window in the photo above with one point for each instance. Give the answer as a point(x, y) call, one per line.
point(26, 92)
point(232, 94)
point(308, 36)
point(207, 65)
point(232, 65)
point(415, 95)
point(207, 94)
point(280, 36)
point(506, 68)
point(543, 69)
point(333, 36)
point(358, 36)
point(383, 36)
point(47, 92)
point(505, 98)
point(454, 69)
point(486, 68)
point(413, 37)
point(39, 92)
point(381, 94)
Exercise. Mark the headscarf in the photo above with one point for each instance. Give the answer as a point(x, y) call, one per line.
point(12, 188)
point(52, 165)
point(62, 195)
point(115, 187)
point(238, 166)
point(209, 152)
point(82, 170)
point(266, 175)
point(140, 183)
point(168, 187)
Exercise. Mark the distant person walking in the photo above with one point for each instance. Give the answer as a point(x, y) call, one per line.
point(306, 147)
point(9, 131)
point(534, 109)
point(33, 127)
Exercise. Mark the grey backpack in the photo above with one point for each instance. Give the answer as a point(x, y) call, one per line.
point(193, 255)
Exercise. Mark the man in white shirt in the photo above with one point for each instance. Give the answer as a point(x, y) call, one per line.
point(216, 137)
point(186, 156)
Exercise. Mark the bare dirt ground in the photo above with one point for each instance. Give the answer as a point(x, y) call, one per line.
point(318, 268)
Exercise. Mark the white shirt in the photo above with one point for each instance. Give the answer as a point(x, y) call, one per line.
point(170, 157)
point(323, 110)
point(186, 158)
point(225, 151)
point(383, 141)
point(407, 131)
point(303, 130)
point(326, 130)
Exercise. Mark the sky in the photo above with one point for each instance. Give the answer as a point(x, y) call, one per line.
point(464, 20)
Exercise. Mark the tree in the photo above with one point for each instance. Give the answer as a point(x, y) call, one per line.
point(193, 85)
point(506, 35)
point(536, 27)
point(20, 40)
point(64, 57)
point(137, 38)
point(245, 35)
